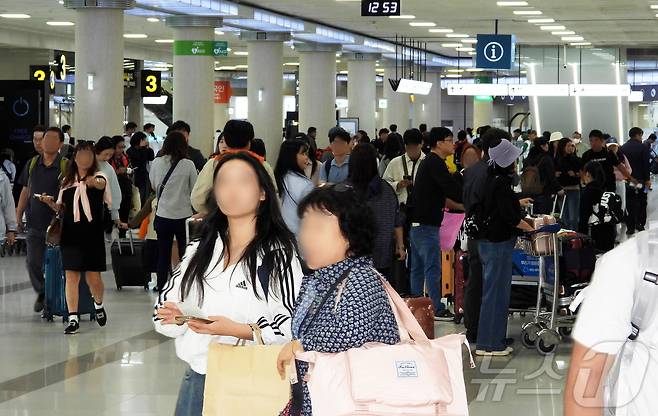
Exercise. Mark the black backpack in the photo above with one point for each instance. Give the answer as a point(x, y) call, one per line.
point(607, 210)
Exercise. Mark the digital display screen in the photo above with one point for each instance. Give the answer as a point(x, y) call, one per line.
point(380, 8)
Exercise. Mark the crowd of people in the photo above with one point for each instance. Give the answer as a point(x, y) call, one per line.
point(321, 222)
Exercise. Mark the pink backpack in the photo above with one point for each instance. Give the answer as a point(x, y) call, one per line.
point(415, 377)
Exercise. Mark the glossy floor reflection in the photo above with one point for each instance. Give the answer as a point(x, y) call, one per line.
point(127, 369)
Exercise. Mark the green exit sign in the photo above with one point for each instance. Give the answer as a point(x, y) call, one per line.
point(200, 48)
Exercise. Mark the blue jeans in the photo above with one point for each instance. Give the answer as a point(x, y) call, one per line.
point(426, 263)
point(496, 287)
point(571, 213)
point(190, 395)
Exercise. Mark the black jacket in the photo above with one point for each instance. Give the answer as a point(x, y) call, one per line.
point(590, 196)
point(195, 156)
point(544, 163)
point(564, 165)
point(139, 158)
point(502, 207)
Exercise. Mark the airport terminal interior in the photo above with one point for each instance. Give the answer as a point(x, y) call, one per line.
point(566, 88)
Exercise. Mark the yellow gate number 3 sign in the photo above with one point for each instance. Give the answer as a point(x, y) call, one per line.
point(151, 83)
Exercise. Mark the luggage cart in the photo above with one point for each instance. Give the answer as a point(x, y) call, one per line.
point(546, 330)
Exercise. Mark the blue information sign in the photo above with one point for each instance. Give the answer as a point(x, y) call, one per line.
point(495, 51)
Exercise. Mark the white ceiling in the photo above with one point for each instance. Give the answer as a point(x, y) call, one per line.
point(628, 23)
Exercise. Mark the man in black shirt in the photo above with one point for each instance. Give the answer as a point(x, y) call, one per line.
point(608, 160)
point(433, 187)
point(636, 195)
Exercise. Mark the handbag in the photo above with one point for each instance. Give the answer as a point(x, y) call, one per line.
point(450, 226)
point(54, 230)
point(419, 377)
point(243, 380)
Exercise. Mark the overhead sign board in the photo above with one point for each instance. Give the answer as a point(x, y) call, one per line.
point(151, 84)
point(380, 8)
point(495, 51)
point(200, 48)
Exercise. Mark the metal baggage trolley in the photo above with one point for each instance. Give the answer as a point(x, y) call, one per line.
point(546, 330)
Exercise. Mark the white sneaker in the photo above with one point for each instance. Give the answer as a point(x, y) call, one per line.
point(482, 353)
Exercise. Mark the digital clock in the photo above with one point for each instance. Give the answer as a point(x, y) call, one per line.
point(380, 8)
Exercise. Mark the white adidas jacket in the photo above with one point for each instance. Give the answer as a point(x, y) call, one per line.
point(229, 293)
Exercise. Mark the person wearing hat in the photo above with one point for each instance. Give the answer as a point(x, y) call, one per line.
point(540, 159)
point(501, 210)
point(553, 142)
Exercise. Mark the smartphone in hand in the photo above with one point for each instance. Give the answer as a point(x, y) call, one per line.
point(180, 320)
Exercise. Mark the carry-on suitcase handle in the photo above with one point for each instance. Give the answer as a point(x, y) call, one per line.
point(130, 239)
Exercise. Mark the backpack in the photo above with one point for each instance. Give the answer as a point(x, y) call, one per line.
point(608, 210)
point(63, 164)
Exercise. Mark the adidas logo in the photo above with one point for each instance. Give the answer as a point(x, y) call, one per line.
point(242, 285)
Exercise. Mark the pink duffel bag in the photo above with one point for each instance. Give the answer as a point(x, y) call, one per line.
point(416, 377)
point(450, 226)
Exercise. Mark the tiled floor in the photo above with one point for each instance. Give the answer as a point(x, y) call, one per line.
point(127, 369)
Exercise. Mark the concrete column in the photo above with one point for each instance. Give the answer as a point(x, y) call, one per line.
point(482, 113)
point(398, 105)
point(362, 89)
point(134, 100)
point(427, 108)
point(317, 89)
point(265, 87)
point(99, 67)
point(194, 77)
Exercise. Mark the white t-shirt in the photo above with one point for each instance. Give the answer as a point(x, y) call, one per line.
point(604, 324)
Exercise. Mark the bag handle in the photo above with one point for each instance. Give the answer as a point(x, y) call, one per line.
point(408, 325)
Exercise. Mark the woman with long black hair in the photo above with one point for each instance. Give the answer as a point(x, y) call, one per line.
point(292, 182)
point(243, 273)
point(172, 176)
point(383, 201)
point(140, 154)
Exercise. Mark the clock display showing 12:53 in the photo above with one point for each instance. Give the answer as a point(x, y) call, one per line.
point(380, 8)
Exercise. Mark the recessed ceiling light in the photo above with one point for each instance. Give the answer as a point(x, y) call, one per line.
point(573, 38)
point(164, 41)
point(536, 21)
point(344, 72)
point(451, 45)
point(337, 61)
point(135, 36)
point(291, 64)
point(61, 2)
point(153, 20)
point(469, 41)
point(403, 16)
point(563, 32)
point(218, 32)
point(465, 49)
point(422, 24)
point(380, 70)
point(441, 30)
point(15, 16)
point(60, 23)
point(240, 53)
point(454, 76)
point(472, 53)
point(456, 35)
point(474, 70)
point(527, 12)
point(455, 70)
point(512, 3)
point(581, 43)
point(654, 6)
point(552, 27)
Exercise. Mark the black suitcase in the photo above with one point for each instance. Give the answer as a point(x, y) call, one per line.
point(128, 263)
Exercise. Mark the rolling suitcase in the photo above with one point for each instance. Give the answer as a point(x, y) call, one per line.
point(461, 276)
point(55, 290)
point(128, 263)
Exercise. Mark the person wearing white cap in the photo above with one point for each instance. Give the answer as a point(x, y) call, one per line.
point(502, 222)
point(555, 138)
